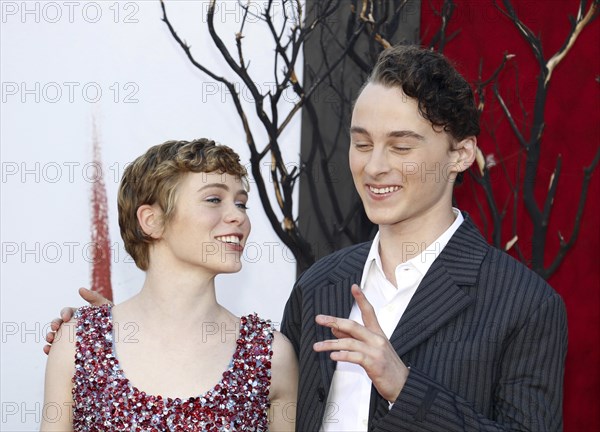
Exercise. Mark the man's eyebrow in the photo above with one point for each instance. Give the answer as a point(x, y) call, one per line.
point(222, 186)
point(359, 130)
point(392, 134)
point(406, 134)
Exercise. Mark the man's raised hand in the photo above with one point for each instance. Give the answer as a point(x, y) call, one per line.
point(365, 345)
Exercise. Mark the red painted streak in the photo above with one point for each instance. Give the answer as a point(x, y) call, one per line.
point(100, 236)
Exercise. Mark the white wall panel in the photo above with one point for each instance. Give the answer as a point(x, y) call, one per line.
point(46, 142)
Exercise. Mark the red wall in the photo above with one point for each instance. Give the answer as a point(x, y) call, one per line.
point(572, 130)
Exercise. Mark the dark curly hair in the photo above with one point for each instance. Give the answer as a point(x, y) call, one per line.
point(444, 97)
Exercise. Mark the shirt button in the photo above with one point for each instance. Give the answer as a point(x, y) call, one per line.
point(365, 422)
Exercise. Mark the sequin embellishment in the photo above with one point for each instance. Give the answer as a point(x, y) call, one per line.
point(105, 400)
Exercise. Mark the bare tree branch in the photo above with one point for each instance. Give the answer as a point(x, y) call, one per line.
point(228, 84)
point(578, 25)
point(539, 216)
point(375, 23)
point(445, 15)
point(551, 191)
point(566, 245)
point(509, 117)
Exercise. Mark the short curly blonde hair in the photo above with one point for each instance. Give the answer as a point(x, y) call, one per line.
point(153, 179)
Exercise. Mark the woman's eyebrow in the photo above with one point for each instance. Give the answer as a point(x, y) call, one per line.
point(222, 186)
point(217, 185)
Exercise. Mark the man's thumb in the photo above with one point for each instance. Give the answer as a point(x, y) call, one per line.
point(92, 297)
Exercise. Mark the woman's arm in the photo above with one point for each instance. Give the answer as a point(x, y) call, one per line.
point(57, 412)
point(284, 385)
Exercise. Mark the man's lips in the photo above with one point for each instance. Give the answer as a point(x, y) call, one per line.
point(381, 191)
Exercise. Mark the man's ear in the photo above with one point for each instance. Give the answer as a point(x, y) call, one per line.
point(150, 219)
point(466, 151)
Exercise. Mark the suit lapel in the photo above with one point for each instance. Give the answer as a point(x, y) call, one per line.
point(437, 300)
point(440, 297)
point(441, 294)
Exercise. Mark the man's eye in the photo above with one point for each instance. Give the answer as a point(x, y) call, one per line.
point(360, 146)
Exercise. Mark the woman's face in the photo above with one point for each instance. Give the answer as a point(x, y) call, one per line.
point(209, 226)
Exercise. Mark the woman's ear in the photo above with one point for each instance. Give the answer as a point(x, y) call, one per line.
point(150, 219)
point(466, 151)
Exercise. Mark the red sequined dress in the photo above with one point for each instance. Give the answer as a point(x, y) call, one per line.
point(104, 400)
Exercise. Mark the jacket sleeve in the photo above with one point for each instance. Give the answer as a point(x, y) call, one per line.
point(291, 322)
point(527, 397)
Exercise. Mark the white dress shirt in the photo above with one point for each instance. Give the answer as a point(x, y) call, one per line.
point(350, 393)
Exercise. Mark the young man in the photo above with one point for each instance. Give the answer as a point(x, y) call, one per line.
point(445, 332)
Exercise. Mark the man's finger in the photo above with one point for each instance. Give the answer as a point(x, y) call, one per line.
point(339, 333)
point(355, 357)
point(348, 344)
point(366, 310)
point(350, 328)
point(56, 323)
point(66, 314)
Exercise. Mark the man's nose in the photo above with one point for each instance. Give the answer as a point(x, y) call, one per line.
point(378, 162)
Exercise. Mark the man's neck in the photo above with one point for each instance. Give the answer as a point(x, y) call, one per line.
point(405, 240)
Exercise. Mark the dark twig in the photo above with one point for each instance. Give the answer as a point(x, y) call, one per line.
point(566, 245)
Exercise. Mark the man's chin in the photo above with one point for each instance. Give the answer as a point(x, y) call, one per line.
point(379, 217)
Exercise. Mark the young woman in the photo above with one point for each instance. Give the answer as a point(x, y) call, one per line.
point(172, 358)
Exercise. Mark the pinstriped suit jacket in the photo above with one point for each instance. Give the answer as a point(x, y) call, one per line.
point(485, 338)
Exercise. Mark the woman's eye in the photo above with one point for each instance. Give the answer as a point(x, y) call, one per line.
point(242, 205)
point(213, 200)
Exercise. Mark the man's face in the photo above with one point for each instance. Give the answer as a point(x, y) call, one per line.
point(402, 168)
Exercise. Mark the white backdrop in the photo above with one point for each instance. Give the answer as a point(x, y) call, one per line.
point(63, 65)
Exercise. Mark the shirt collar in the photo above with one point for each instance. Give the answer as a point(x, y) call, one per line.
point(421, 262)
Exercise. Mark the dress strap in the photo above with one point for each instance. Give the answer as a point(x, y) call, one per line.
point(255, 346)
point(94, 331)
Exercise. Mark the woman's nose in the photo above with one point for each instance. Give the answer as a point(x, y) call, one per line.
point(235, 214)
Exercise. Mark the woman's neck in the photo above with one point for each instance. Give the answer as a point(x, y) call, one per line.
point(182, 297)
